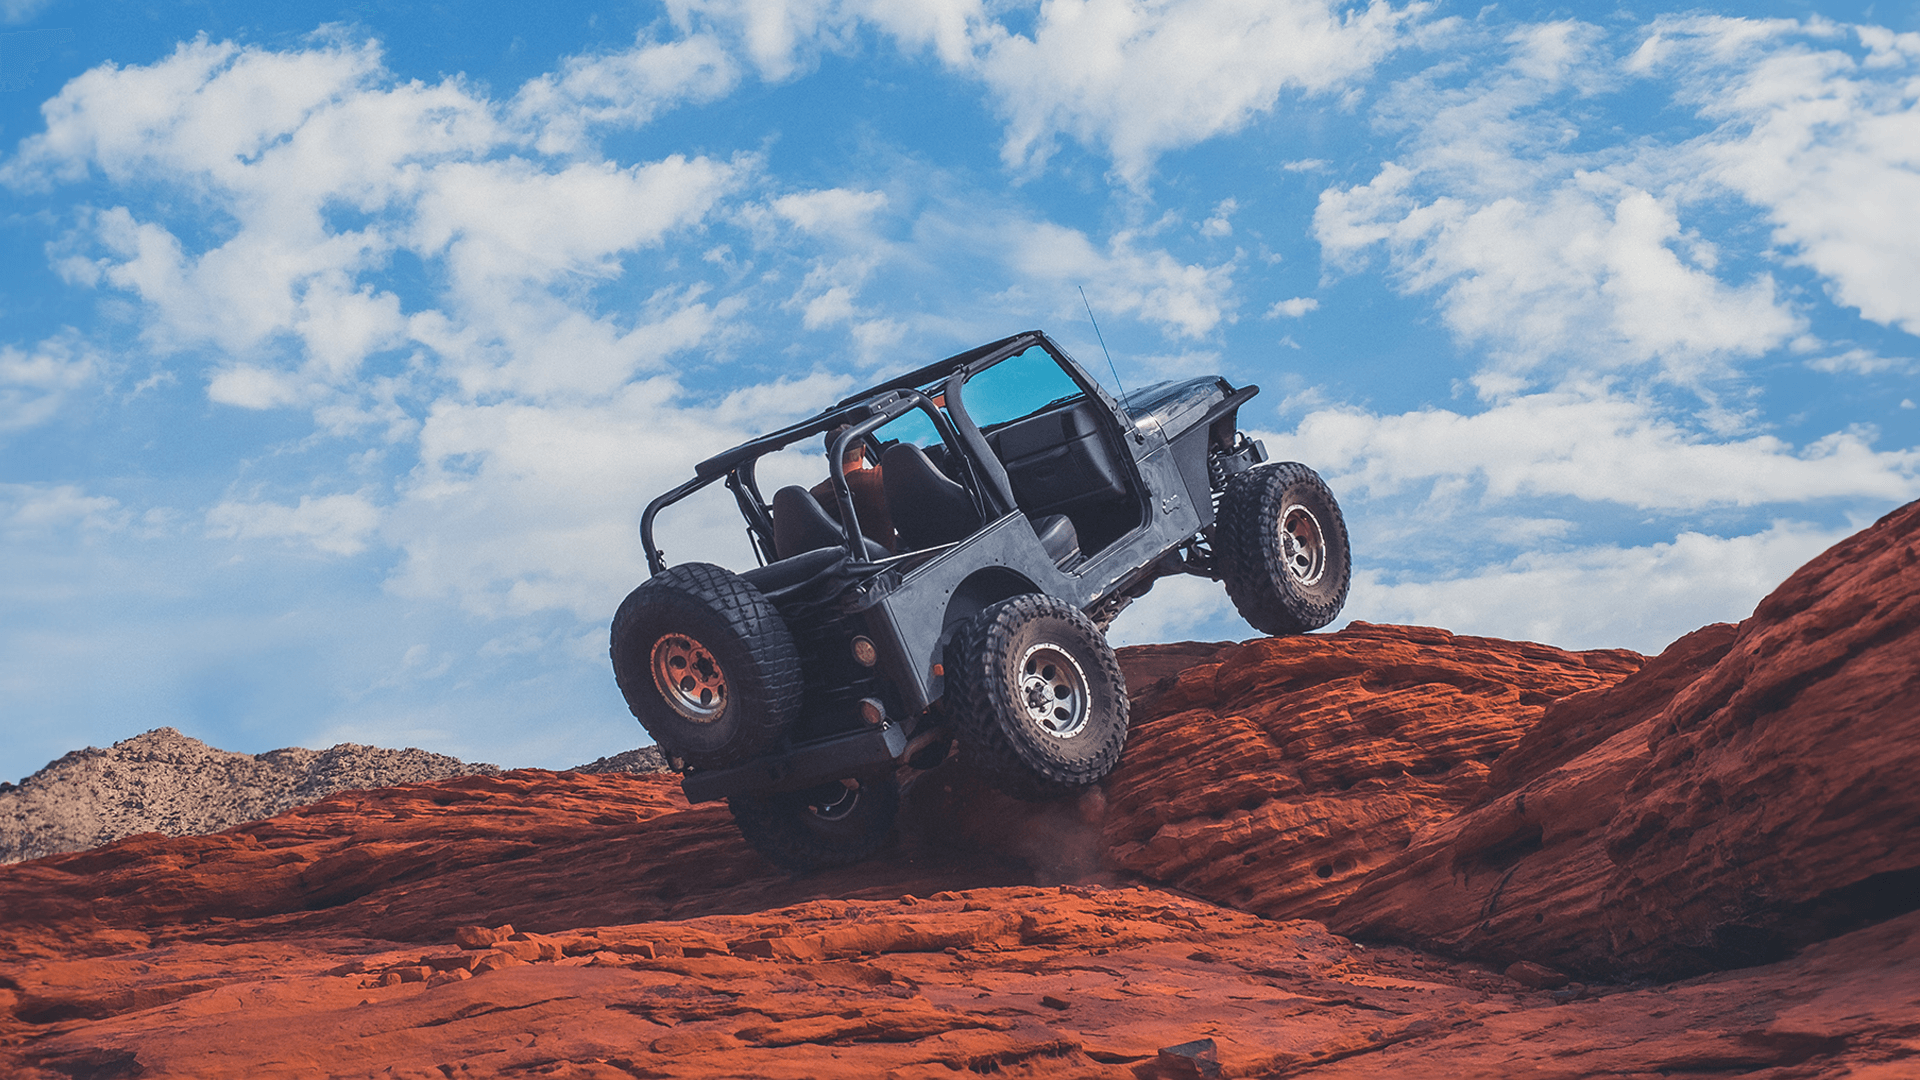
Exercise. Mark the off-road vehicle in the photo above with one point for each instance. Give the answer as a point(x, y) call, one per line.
point(947, 586)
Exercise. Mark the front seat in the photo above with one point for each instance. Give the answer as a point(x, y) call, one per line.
point(800, 526)
point(928, 507)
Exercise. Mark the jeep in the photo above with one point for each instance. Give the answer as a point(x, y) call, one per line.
point(945, 589)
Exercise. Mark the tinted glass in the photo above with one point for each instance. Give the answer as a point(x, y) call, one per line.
point(1016, 387)
point(914, 427)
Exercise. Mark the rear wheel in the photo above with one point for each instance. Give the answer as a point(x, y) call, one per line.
point(834, 824)
point(1281, 543)
point(706, 664)
point(1038, 697)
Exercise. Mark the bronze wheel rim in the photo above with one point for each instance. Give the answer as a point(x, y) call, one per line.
point(689, 678)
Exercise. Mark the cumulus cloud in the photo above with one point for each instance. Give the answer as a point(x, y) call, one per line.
point(834, 210)
point(1189, 299)
point(335, 524)
point(518, 507)
point(1821, 138)
point(1137, 79)
point(323, 168)
point(38, 509)
point(1593, 447)
point(1556, 252)
point(1601, 596)
point(36, 381)
point(1128, 78)
point(1554, 260)
point(540, 414)
point(621, 89)
point(783, 37)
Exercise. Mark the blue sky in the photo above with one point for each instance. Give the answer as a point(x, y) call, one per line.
point(341, 346)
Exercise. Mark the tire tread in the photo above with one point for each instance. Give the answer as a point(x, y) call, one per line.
point(1249, 518)
point(774, 677)
point(978, 667)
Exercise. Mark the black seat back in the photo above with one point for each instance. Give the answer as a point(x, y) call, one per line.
point(800, 525)
point(928, 507)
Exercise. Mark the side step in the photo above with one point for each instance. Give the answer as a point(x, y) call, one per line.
point(803, 766)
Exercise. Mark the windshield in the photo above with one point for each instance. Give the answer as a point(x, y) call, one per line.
point(1018, 386)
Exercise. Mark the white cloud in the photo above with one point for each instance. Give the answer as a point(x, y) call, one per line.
point(1189, 299)
point(252, 387)
point(335, 524)
point(1595, 448)
point(39, 509)
point(782, 37)
point(1138, 79)
point(1555, 257)
point(1180, 608)
point(1861, 362)
point(35, 382)
point(323, 167)
point(834, 210)
point(1293, 308)
point(624, 89)
point(518, 507)
point(1553, 261)
point(1603, 596)
point(1132, 79)
point(1220, 223)
point(1827, 143)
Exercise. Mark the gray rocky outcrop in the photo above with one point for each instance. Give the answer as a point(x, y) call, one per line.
point(163, 781)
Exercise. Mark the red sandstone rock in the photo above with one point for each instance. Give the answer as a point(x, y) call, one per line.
point(1749, 791)
point(1011, 982)
point(1280, 774)
point(348, 938)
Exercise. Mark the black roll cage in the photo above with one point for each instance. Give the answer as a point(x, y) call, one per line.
point(982, 474)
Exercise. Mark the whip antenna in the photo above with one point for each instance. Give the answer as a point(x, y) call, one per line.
point(1103, 348)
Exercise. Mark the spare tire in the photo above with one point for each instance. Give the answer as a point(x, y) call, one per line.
point(1281, 543)
point(707, 665)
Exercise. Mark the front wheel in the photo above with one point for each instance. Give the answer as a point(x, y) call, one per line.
point(1282, 549)
point(1038, 697)
point(834, 824)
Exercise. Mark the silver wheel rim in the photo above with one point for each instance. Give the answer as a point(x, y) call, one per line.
point(689, 678)
point(1053, 690)
point(1303, 547)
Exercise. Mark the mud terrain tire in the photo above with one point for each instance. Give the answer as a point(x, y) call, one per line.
point(706, 664)
point(1038, 697)
point(1282, 549)
point(835, 824)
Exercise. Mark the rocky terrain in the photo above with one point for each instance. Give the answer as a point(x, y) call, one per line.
point(1385, 851)
point(166, 782)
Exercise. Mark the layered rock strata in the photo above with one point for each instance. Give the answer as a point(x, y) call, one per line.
point(1276, 775)
point(1749, 791)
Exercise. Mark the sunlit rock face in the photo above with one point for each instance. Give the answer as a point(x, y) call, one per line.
point(1276, 775)
point(1752, 789)
point(1389, 850)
